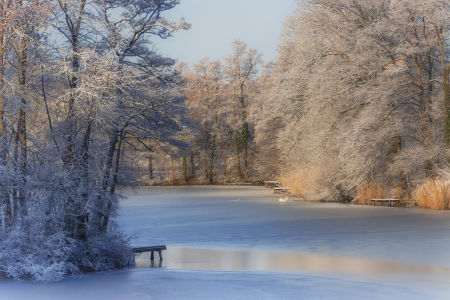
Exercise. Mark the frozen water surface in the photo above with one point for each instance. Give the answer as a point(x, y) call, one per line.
point(235, 242)
point(206, 259)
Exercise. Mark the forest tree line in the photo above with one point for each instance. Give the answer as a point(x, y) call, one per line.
point(356, 105)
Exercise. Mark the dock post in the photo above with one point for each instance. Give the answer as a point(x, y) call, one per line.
point(160, 255)
point(152, 256)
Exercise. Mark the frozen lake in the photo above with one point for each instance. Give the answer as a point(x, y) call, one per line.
point(235, 242)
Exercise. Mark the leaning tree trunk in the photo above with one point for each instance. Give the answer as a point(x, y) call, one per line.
point(113, 140)
point(113, 184)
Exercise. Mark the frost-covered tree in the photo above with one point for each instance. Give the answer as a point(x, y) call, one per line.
point(88, 83)
point(205, 101)
point(240, 69)
point(358, 87)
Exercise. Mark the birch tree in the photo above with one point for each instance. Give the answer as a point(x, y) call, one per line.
point(240, 69)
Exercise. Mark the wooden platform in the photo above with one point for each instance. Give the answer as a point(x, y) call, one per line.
point(269, 184)
point(151, 249)
point(280, 190)
point(408, 202)
point(390, 202)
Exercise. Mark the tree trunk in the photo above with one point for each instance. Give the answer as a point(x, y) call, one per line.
point(244, 133)
point(103, 197)
point(238, 156)
point(184, 170)
point(74, 28)
point(446, 87)
point(21, 126)
point(192, 166)
point(16, 182)
point(150, 165)
point(211, 162)
point(4, 194)
point(173, 172)
point(205, 143)
point(113, 184)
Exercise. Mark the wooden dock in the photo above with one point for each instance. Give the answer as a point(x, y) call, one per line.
point(390, 202)
point(269, 184)
point(408, 202)
point(280, 190)
point(151, 249)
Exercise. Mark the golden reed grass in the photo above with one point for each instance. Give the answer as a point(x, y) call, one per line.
point(369, 191)
point(434, 194)
point(399, 193)
point(300, 183)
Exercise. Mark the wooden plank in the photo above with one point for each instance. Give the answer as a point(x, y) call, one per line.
point(277, 190)
point(393, 201)
point(408, 202)
point(148, 249)
point(270, 183)
point(389, 201)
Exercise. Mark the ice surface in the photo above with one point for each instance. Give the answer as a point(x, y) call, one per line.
point(175, 284)
point(244, 219)
point(226, 260)
point(206, 217)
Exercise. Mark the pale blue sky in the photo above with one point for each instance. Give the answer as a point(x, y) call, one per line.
point(216, 23)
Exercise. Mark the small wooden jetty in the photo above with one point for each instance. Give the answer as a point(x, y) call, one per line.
point(269, 184)
point(280, 190)
point(151, 249)
point(398, 202)
point(390, 202)
point(408, 202)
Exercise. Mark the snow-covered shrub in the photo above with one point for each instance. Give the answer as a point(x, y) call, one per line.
point(27, 252)
point(105, 251)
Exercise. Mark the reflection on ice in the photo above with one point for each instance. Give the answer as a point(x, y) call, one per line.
point(204, 259)
point(157, 265)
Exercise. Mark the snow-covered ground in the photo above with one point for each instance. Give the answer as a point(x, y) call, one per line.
point(253, 247)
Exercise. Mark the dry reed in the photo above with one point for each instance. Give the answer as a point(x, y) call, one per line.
point(399, 193)
point(434, 194)
point(300, 183)
point(369, 191)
